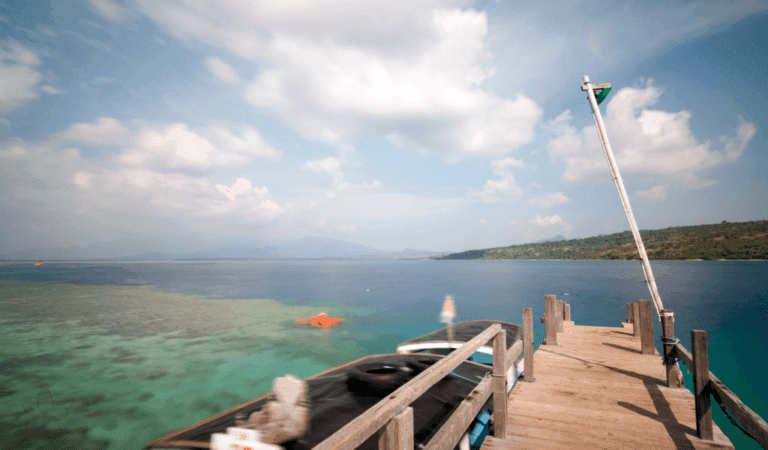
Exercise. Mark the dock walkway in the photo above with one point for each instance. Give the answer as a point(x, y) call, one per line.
point(596, 390)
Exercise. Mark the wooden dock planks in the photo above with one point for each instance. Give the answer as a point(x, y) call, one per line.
point(597, 390)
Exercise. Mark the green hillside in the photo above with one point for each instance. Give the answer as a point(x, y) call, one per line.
point(743, 240)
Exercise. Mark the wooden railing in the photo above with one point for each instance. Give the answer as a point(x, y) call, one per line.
point(392, 417)
point(705, 383)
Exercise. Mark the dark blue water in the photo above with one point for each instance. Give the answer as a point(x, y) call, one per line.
point(195, 338)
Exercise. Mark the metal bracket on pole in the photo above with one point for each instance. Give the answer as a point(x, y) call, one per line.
point(650, 281)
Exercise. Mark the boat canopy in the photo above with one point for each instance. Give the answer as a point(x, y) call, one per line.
point(464, 332)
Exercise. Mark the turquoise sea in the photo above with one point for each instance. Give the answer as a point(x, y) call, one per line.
point(111, 355)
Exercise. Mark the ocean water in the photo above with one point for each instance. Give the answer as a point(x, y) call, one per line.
point(113, 355)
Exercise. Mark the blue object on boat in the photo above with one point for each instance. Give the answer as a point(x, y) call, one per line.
point(480, 431)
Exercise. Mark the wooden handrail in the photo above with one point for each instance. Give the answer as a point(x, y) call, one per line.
point(353, 434)
point(752, 422)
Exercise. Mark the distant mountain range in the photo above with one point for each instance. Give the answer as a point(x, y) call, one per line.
point(726, 240)
point(309, 247)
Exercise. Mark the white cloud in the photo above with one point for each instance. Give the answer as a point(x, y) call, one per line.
point(550, 200)
point(174, 146)
point(223, 70)
point(646, 143)
point(484, 222)
point(656, 193)
point(504, 185)
point(546, 221)
point(18, 75)
point(349, 229)
point(349, 71)
point(103, 131)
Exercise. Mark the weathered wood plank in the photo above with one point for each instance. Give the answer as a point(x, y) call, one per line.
point(701, 384)
point(636, 319)
point(684, 355)
point(500, 384)
point(550, 311)
point(597, 390)
point(513, 353)
point(646, 328)
point(559, 314)
point(398, 433)
point(674, 376)
point(462, 417)
point(364, 426)
point(528, 344)
point(753, 423)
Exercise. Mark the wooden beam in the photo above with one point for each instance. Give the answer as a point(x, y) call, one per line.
point(646, 328)
point(748, 418)
point(353, 434)
point(560, 314)
point(568, 312)
point(456, 425)
point(528, 344)
point(398, 433)
point(753, 423)
point(636, 319)
point(630, 315)
point(684, 355)
point(674, 376)
point(550, 309)
point(596, 86)
point(513, 353)
point(500, 385)
point(701, 384)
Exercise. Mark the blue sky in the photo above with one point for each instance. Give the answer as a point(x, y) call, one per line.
point(437, 125)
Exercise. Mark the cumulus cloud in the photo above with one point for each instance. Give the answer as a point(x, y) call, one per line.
point(175, 146)
point(656, 193)
point(341, 72)
point(647, 143)
point(550, 200)
point(103, 131)
point(56, 193)
point(546, 221)
point(222, 70)
point(19, 77)
point(505, 184)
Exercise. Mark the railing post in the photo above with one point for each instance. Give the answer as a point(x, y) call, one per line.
point(499, 385)
point(397, 434)
point(560, 314)
point(550, 322)
point(636, 319)
point(568, 312)
point(646, 328)
point(674, 375)
point(701, 388)
point(629, 313)
point(528, 344)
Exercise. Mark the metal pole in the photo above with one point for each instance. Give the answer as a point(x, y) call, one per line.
point(650, 281)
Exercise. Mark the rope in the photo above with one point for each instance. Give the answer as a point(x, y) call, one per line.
point(670, 359)
point(733, 421)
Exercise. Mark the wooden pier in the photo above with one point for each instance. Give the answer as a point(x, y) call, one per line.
point(596, 389)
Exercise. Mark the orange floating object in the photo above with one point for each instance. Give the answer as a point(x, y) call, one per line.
point(321, 320)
